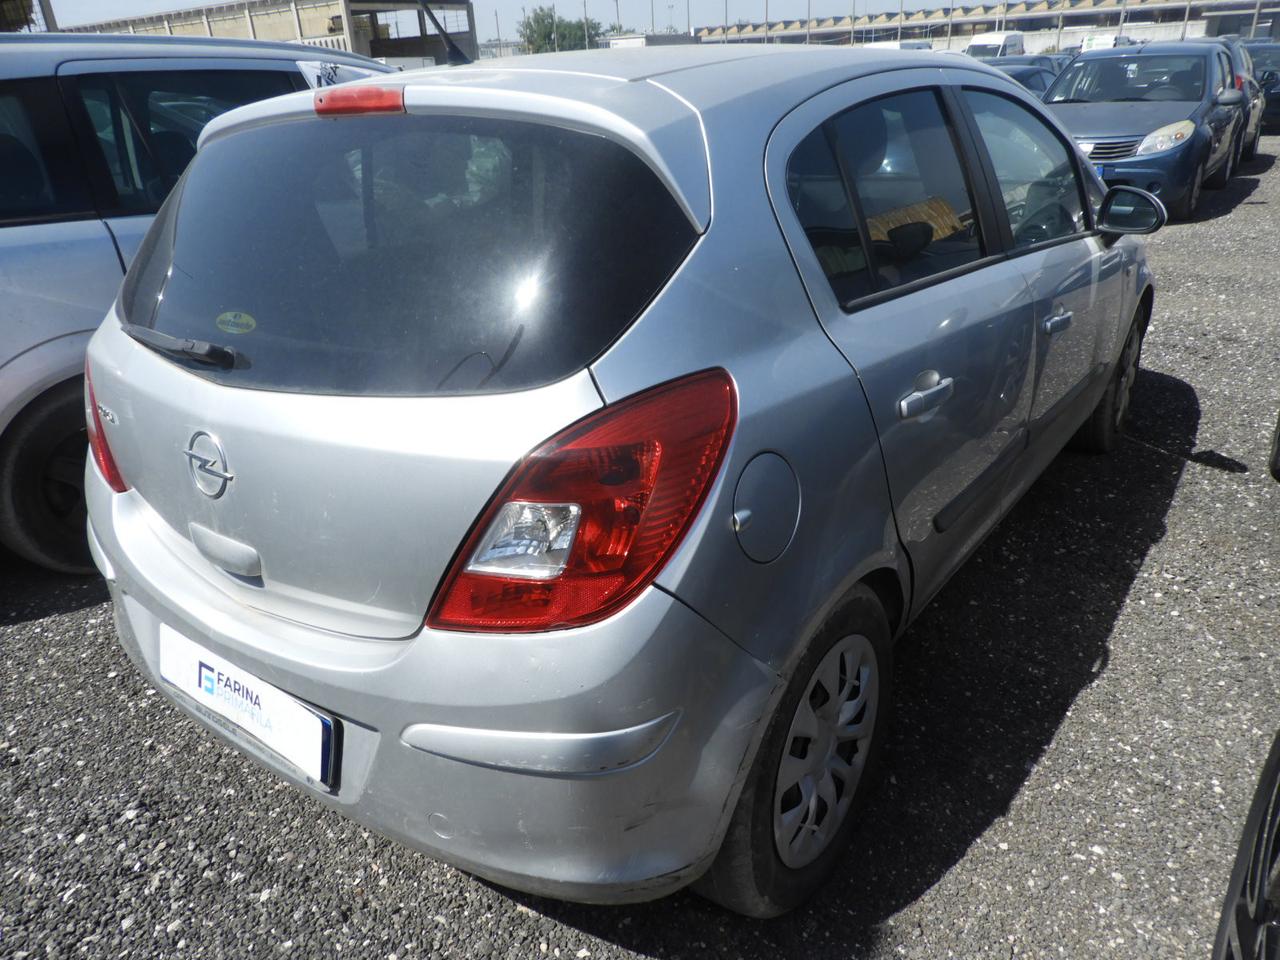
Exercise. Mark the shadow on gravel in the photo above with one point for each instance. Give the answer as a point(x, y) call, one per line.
point(1220, 203)
point(29, 593)
point(984, 679)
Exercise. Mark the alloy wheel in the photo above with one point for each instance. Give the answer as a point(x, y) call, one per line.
point(825, 751)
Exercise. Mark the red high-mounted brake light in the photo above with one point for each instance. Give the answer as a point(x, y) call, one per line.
point(343, 101)
point(611, 497)
point(97, 439)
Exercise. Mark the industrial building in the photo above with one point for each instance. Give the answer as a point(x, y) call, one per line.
point(1048, 23)
point(396, 31)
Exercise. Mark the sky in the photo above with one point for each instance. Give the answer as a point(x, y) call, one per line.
point(635, 13)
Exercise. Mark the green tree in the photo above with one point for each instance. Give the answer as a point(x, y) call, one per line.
point(539, 36)
point(16, 15)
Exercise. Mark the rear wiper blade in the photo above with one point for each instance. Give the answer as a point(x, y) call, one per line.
point(201, 351)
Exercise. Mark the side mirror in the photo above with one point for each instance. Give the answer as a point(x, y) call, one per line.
point(1230, 97)
point(1130, 210)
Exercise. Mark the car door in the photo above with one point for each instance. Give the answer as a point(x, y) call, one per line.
point(897, 246)
point(138, 122)
point(1073, 274)
point(58, 268)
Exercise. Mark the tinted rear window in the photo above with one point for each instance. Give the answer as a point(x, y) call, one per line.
point(407, 255)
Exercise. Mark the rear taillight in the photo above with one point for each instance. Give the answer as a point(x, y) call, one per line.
point(587, 520)
point(1239, 81)
point(339, 101)
point(97, 439)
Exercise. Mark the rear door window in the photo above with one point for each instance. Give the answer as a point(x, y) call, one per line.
point(40, 179)
point(407, 255)
point(145, 124)
point(906, 170)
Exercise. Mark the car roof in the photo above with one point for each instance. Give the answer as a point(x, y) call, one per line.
point(1221, 41)
point(40, 54)
point(750, 70)
point(681, 108)
point(1147, 50)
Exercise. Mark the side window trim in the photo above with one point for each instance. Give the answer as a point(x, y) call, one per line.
point(993, 183)
point(832, 139)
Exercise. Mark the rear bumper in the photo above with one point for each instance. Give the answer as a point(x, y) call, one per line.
point(599, 764)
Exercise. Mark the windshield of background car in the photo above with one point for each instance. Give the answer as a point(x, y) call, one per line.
point(1265, 58)
point(1111, 79)
point(407, 255)
point(983, 51)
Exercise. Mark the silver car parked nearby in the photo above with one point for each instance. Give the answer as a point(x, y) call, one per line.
point(94, 132)
point(537, 462)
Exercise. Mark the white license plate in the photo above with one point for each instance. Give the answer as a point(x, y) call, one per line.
point(286, 726)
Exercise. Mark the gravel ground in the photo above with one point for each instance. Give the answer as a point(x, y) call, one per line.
point(1079, 721)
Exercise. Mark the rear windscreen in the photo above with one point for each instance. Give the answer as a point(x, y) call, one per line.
point(407, 255)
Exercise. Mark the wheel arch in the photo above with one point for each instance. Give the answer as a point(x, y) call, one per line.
point(33, 374)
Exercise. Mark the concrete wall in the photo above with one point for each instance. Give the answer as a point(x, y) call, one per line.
point(275, 24)
point(315, 17)
point(235, 25)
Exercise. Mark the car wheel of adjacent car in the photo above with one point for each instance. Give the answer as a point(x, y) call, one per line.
point(42, 456)
point(1186, 207)
point(1222, 176)
point(1251, 148)
point(1101, 432)
point(1249, 927)
point(814, 768)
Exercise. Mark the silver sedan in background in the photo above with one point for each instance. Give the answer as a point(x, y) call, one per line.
point(537, 462)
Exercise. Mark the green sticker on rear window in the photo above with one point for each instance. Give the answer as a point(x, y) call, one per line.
point(233, 321)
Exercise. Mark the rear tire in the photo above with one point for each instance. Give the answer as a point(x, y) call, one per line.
point(42, 460)
point(1102, 431)
point(781, 845)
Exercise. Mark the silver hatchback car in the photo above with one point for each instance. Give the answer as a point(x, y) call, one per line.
point(537, 462)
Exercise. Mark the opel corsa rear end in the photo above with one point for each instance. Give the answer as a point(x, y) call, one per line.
point(452, 458)
point(365, 513)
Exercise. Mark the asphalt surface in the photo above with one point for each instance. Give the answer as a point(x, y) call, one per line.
point(1080, 717)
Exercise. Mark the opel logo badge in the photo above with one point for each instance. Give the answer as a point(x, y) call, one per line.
point(208, 465)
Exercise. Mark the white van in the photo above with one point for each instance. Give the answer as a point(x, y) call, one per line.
point(984, 46)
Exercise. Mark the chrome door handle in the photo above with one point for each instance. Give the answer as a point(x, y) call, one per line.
point(922, 401)
point(1057, 323)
